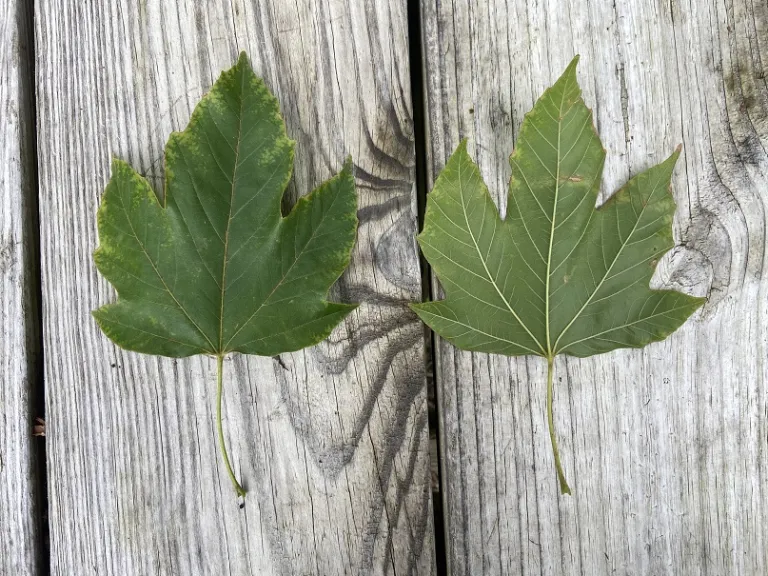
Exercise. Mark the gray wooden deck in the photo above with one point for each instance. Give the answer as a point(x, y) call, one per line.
point(666, 448)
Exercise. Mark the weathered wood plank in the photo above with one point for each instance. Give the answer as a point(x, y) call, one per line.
point(331, 442)
point(666, 448)
point(20, 534)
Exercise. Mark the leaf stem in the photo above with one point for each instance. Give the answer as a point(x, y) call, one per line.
point(220, 372)
point(564, 488)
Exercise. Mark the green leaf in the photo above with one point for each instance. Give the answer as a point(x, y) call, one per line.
point(557, 276)
point(217, 268)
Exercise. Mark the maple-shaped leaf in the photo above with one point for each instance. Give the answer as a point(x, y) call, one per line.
point(216, 268)
point(557, 276)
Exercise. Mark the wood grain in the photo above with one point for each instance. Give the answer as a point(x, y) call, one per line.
point(666, 448)
point(331, 442)
point(20, 533)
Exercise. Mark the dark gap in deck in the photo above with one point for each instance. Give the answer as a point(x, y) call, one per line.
point(416, 66)
point(33, 264)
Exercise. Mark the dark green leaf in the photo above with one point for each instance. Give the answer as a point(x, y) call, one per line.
point(218, 269)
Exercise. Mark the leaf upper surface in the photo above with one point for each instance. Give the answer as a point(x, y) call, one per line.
point(557, 275)
point(218, 268)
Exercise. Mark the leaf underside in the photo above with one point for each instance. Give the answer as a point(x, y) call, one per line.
point(218, 269)
point(557, 276)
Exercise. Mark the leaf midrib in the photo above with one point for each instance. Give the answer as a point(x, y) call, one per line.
point(225, 259)
point(553, 221)
point(553, 350)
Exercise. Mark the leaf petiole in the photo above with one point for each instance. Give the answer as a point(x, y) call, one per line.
point(220, 373)
point(564, 488)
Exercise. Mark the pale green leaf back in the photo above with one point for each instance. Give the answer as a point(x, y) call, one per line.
point(557, 275)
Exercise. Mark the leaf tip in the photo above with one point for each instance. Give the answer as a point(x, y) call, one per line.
point(699, 301)
point(461, 149)
point(417, 308)
point(349, 166)
point(98, 316)
point(676, 154)
point(672, 159)
point(566, 87)
point(243, 60)
point(117, 164)
point(348, 174)
point(570, 70)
